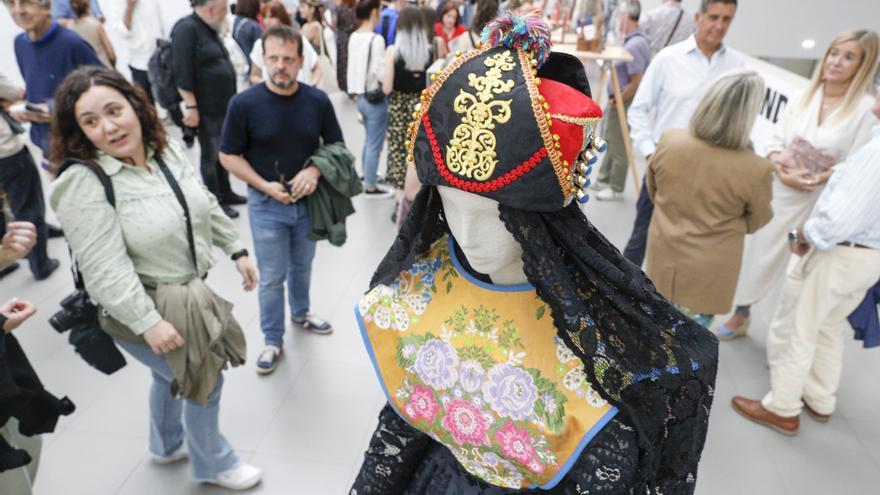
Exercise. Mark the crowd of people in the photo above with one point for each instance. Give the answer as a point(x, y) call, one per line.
point(717, 227)
point(691, 111)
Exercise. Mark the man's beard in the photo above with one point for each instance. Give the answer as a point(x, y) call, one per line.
point(282, 84)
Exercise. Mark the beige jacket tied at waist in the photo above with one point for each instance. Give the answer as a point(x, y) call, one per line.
point(213, 337)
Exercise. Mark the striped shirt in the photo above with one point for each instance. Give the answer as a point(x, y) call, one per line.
point(849, 207)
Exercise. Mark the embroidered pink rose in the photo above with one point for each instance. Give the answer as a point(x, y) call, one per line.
point(421, 404)
point(516, 444)
point(466, 423)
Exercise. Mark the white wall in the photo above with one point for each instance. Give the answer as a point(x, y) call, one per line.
point(776, 28)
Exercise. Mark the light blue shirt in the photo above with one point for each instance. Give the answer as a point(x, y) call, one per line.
point(849, 207)
point(673, 84)
point(61, 9)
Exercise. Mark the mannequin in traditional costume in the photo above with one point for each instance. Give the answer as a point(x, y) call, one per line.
point(518, 350)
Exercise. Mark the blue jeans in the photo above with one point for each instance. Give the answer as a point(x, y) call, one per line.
point(283, 253)
point(210, 453)
point(638, 240)
point(376, 124)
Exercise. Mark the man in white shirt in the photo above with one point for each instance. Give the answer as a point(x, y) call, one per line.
point(148, 21)
point(839, 250)
point(673, 85)
point(667, 25)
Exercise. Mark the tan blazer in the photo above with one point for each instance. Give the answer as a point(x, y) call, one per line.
point(706, 198)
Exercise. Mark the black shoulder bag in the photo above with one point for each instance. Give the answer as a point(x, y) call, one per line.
point(375, 96)
point(79, 313)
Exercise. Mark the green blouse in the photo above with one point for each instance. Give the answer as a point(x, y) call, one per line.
point(145, 236)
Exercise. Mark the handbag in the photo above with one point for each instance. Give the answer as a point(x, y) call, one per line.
point(88, 332)
point(79, 313)
point(328, 82)
point(374, 96)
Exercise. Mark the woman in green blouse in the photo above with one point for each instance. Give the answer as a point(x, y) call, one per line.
point(136, 263)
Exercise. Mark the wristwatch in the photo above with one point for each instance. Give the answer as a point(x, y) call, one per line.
point(239, 254)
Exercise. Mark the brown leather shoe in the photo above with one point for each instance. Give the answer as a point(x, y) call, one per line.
point(754, 411)
point(821, 418)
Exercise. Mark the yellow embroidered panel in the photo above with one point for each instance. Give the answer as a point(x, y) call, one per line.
point(480, 369)
point(471, 151)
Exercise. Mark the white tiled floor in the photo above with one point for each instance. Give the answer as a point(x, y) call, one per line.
point(308, 423)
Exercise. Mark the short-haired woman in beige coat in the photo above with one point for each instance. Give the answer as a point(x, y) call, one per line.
point(710, 190)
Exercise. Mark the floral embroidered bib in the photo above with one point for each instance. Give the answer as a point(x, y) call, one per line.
point(478, 367)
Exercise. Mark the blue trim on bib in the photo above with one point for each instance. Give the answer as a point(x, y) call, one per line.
point(479, 283)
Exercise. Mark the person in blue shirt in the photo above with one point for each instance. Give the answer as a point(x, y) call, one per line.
point(270, 132)
point(61, 10)
point(46, 52)
point(387, 26)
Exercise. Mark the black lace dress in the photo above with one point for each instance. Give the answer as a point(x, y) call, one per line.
point(640, 354)
point(399, 462)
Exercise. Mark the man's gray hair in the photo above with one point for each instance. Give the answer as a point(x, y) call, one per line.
point(633, 9)
point(199, 3)
point(704, 5)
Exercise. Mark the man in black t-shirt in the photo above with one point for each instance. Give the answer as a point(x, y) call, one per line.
point(270, 132)
point(205, 80)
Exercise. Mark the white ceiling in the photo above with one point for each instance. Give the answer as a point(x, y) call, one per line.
point(776, 28)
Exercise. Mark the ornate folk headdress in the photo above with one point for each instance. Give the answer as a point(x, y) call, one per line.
point(509, 120)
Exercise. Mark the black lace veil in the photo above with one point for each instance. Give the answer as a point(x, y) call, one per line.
point(640, 354)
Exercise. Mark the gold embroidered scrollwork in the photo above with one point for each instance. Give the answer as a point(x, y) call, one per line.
point(471, 151)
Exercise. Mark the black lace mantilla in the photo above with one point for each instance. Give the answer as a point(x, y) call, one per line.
point(641, 354)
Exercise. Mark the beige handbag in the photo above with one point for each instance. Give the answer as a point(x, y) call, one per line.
point(328, 82)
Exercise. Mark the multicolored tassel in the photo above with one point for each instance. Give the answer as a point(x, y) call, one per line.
point(526, 32)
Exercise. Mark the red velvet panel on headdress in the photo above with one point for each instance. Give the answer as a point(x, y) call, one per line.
point(572, 111)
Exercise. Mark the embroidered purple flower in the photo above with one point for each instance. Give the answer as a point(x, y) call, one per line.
point(466, 423)
point(435, 364)
point(470, 375)
point(510, 391)
point(421, 404)
point(516, 444)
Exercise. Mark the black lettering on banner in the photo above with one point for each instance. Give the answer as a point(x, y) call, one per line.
point(783, 101)
point(774, 102)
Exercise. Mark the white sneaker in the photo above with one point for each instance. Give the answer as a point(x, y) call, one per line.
point(598, 186)
point(178, 455)
point(240, 477)
point(608, 195)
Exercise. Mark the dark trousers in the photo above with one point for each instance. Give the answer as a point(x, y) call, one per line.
point(142, 79)
point(215, 177)
point(638, 240)
point(20, 179)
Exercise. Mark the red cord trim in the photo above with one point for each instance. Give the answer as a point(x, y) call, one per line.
point(471, 186)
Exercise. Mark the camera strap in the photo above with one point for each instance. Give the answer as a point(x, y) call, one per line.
point(179, 194)
point(108, 192)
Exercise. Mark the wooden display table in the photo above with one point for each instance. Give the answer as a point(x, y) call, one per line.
point(605, 59)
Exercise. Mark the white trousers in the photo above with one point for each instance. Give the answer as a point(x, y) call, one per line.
point(805, 343)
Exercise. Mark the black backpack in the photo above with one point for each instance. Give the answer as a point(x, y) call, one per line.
point(161, 76)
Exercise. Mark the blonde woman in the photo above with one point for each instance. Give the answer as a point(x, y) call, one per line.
point(709, 191)
point(818, 129)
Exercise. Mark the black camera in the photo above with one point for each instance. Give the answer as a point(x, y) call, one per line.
point(76, 309)
point(80, 315)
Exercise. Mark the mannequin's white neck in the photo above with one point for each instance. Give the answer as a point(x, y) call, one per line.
point(486, 243)
point(511, 274)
